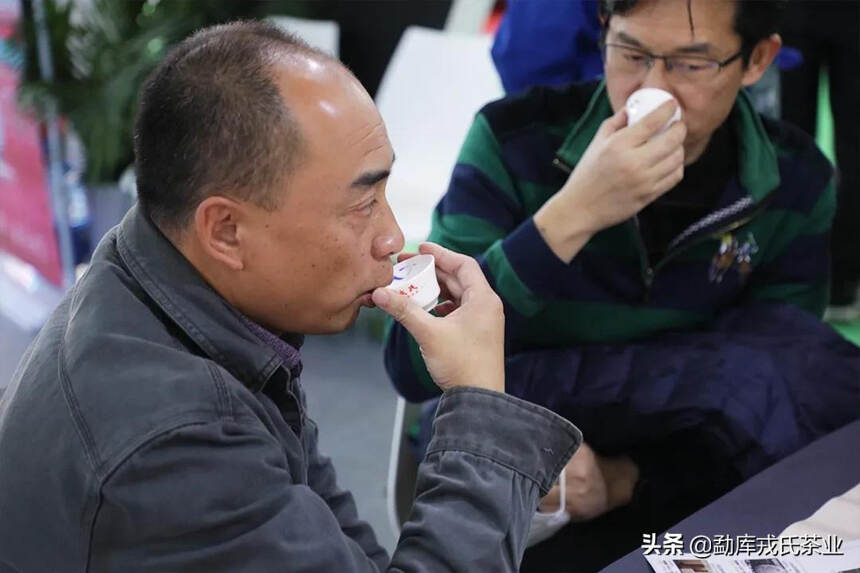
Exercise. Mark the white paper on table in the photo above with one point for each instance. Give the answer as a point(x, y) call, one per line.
point(849, 562)
point(839, 516)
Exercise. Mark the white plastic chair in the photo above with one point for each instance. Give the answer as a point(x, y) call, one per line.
point(402, 466)
point(431, 90)
point(468, 16)
point(321, 34)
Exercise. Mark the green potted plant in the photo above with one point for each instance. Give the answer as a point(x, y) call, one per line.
point(102, 52)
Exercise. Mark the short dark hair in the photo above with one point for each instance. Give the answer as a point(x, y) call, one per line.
point(211, 120)
point(754, 19)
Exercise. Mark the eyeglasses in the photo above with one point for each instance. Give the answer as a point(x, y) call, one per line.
point(628, 60)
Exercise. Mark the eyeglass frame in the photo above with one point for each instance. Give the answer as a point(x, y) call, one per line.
point(651, 57)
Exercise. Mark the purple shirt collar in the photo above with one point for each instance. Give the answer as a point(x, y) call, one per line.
point(286, 346)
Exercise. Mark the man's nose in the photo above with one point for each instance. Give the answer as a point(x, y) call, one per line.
point(657, 76)
point(389, 241)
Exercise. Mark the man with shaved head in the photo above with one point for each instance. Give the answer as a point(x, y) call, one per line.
point(157, 423)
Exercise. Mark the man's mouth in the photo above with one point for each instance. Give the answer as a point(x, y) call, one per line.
point(366, 298)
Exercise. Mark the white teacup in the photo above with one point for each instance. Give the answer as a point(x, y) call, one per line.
point(416, 278)
point(644, 101)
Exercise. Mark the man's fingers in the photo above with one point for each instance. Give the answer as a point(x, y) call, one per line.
point(667, 165)
point(446, 259)
point(667, 183)
point(404, 256)
point(463, 268)
point(663, 144)
point(401, 308)
point(449, 285)
point(612, 124)
point(649, 125)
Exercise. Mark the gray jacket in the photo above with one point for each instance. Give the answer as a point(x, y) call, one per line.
point(148, 429)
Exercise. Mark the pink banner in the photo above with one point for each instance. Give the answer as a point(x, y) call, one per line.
point(26, 220)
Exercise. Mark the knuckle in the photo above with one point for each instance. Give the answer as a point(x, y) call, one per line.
point(470, 263)
point(400, 310)
point(495, 303)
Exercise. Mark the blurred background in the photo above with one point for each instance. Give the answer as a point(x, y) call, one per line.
point(69, 75)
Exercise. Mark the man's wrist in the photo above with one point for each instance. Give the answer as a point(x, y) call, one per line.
point(621, 475)
point(564, 228)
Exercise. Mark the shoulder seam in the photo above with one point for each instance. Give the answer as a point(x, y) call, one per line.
point(225, 405)
point(83, 430)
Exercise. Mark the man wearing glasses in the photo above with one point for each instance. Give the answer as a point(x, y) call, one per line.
point(659, 284)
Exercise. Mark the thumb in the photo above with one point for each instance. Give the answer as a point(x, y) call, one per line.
point(413, 318)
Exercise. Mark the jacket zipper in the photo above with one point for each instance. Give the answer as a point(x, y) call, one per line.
point(649, 271)
point(560, 163)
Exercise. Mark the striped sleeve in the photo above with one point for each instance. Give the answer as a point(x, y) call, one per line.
point(481, 215)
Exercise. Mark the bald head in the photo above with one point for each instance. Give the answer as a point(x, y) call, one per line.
point(216, 117)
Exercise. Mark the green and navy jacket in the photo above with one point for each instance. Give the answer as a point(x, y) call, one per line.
point(715, 353)
point(766, 240)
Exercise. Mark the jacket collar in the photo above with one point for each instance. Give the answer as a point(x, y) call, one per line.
point(757, 159)
point(180, 291)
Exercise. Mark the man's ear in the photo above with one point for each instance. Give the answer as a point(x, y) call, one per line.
point(216, 224)
point(762, 56)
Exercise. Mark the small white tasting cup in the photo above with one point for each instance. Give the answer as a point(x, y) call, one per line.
point(644, 101)
point(416, 278)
